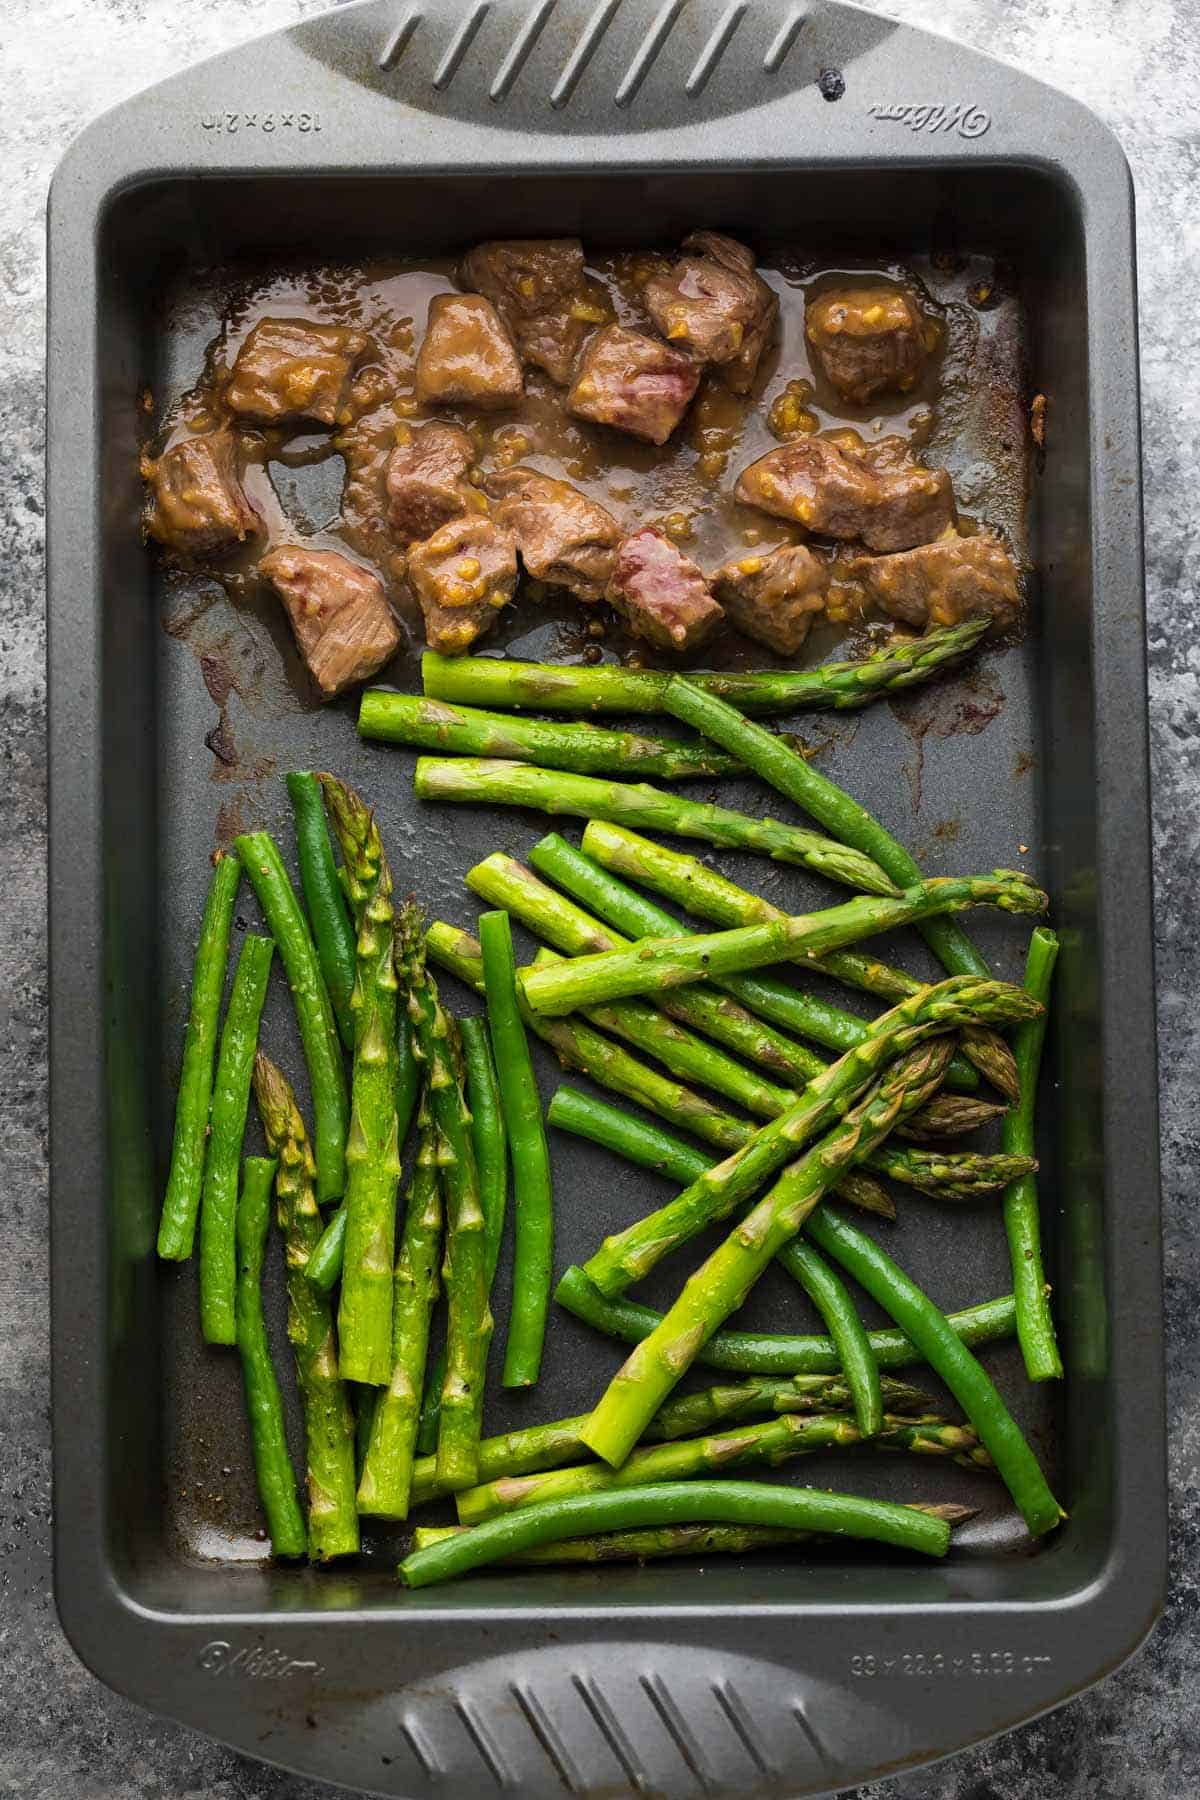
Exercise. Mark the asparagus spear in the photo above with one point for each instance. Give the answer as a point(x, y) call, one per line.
point(673, 1503)
point(373, 1150)
point(325, 1263)
point(556, 687)
point(181, 1202)
point(502, 881)
point(951, 1116)
point(550, 1446)
point(481, 781)
point(773, 1442)
point(640, 1142)
point(775, 1353)
point(670, 1540)
point(666, 962)
point(491, 1157)
point(1035, 1322)
point(533, 1201)
point(722, 1282)
point(230, 1099)
point(328, 1424)
point(577, 1046)
point(314, 1013)
point(932, 1333)
point(385, 1484)
point(611, 850)
point(333, 934)
point(962, 1175)
point(630, 1254)
point(585, 749)
point(264, 1407)
point(469, 1318)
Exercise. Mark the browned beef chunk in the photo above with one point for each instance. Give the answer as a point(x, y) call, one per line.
point(662, 594)
point(467, 357)
point(196, 501)
point(815, 483)
point(426, 481)
point(867, 339)
point(343, 624)
point(564, 538)
point(539, 288)
point(775, 597)
point(463, 575)
point(939, 584)
point(714, 305)
point(295, 369)
point(633, 383)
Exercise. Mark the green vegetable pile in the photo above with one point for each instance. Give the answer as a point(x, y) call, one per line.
point(759, 1102)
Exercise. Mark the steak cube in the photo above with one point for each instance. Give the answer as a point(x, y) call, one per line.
point(774, 598)
point(426, 481)
point(633, 383)
point(815, 483)
point(940, 584)
point(867, 340)
point(467, 357)
point(295, 369)
point(463, 576)
point(564, 538)
point(197, 505)
point(343, 625)
point(715, 306)
point(661, 593)
point(539, 288)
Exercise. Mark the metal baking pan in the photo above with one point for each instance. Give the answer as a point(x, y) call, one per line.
point(392, 130)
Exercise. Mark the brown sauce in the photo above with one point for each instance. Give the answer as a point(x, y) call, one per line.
point(965, 414)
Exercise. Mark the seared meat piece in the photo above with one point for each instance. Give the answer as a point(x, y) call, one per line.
point(776, 597)
point(868, 339)
point(343, 624)
point(633, 383)
point(295, 369)
point(538, 287)
point(525, 275)
point(467, 357)
point(564, 538)
point(815, 483)
point(715, 306)
point(463, 576)
point(197, 504)
point(662, 594)
point(426, 481)
point(939, 584)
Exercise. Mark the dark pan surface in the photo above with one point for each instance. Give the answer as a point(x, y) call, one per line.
point(237, 711)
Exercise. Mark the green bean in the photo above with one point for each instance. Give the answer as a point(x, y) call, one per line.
point(487, 1129)
point(230, 1102)
point(314, 1013)
point(332, 931)
point(264, 1407)
point(533, 1205)
point(634, 1139)
point(181, 1202)
point(776, 762)
point(948, 1356)
point(1035, 1323)
point(830, 1296)
point(775, 1353)
point(671, 1503)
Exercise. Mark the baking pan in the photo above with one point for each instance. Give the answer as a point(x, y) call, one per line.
point(395, 130)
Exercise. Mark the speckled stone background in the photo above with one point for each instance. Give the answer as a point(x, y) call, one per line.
point(1137, 62)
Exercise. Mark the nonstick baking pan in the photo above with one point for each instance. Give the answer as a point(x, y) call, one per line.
point(392, 129)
